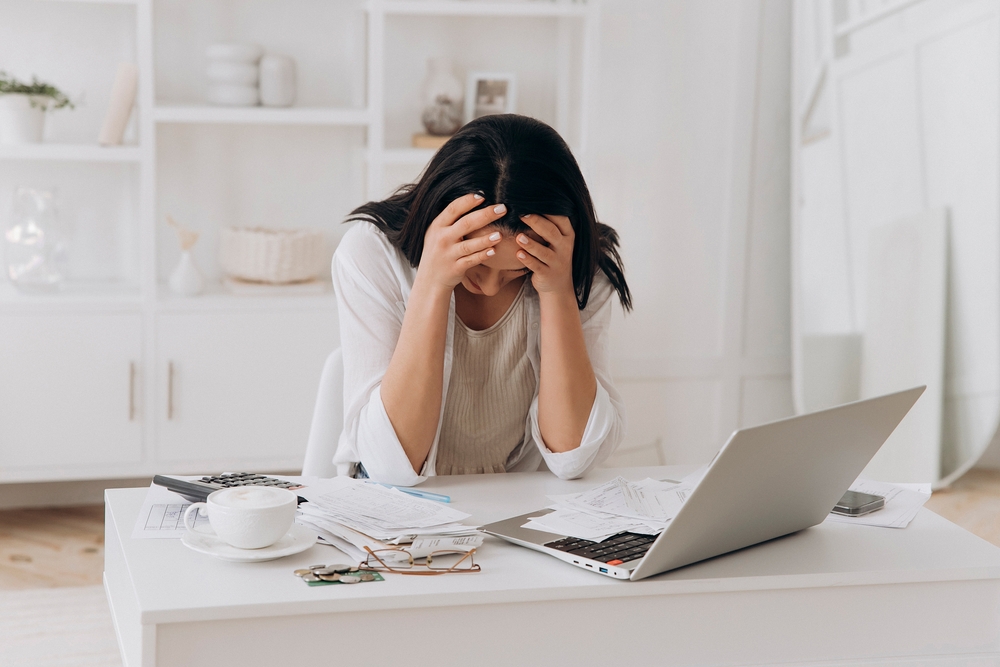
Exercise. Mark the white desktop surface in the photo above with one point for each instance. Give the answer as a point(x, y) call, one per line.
point(162, 592)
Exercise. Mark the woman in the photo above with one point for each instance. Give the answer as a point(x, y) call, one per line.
point(474, 309)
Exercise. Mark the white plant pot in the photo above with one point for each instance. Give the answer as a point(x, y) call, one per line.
point(20, 123)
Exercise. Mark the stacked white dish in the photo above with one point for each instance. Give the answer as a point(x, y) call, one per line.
point(233, 74)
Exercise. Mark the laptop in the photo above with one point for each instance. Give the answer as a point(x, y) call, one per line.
point(765, 482)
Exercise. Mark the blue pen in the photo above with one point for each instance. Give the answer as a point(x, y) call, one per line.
point(418, 493)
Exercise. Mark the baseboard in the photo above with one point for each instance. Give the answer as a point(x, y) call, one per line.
point(62, 494)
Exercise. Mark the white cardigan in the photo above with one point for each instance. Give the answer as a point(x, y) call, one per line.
point(372, 280)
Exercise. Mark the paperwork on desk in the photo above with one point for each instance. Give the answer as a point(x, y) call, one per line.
point(162, 515)
point(616, 506)
point(647, 507)
point(353, 514)
point(902, 502)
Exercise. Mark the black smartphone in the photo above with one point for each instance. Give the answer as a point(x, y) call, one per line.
point(855, 503)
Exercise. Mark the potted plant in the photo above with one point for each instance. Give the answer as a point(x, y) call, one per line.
point(23, 106)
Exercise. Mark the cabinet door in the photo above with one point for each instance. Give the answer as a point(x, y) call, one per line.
point(237, 389)
point(68, 393)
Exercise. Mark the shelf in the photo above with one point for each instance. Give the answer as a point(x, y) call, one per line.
point(95, 2)
point(404, 156)
point(88, 295)
point(216, 297)
point(260, 115)
point(70, 152)
point(468, 8)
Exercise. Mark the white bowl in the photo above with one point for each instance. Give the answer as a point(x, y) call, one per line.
point(237, 53)
point(233, 95)
point(243, 74)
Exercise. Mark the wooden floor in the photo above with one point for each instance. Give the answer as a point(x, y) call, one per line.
point(48, 548)
point(973, 502)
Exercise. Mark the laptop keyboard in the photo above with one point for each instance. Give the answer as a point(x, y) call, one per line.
point(615, 550)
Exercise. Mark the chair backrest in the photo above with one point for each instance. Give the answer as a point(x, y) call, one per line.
point(328, 419)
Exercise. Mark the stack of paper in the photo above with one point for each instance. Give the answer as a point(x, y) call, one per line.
point(353, 514)
point(902, 502)
point(617, 506)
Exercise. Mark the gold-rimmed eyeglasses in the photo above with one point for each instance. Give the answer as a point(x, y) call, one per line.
point(400, 561)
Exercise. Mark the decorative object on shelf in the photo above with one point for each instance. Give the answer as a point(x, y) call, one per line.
point(120, 107)
point(277, 80)
point(490, 93)
point(442, 98)
point(235, 53)
point(185, 279)
point(23, 106)
point(238, 287)
point(35, 247)
point(273, 255)
point(240, 74)
point(233, 95)
point(233, 74)
point(429, 141)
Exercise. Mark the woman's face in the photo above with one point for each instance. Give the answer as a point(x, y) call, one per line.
point(490, 277)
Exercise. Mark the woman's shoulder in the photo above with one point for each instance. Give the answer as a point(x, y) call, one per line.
point(364, 239)
point(601, 291)
point(367, 249)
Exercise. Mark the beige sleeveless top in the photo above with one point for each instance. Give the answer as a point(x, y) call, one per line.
point(491, 388)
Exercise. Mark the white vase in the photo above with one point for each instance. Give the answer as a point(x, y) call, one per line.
point(20, 123)
point(277, 81)
point(186, 279)
point(442, 98)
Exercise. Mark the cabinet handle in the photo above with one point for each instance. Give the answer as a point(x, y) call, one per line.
point(131, 391)
point(170, 390)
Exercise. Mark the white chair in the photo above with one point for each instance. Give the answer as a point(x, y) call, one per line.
point(328, 419)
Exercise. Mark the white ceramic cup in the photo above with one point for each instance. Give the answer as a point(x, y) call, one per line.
point(247, 517)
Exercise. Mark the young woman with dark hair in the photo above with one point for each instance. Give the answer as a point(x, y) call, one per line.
point(474, 311)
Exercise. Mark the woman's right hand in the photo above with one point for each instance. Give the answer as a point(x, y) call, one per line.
point(447, 254)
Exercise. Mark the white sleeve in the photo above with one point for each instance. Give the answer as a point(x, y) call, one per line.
point(371, 307)
point(606, 424)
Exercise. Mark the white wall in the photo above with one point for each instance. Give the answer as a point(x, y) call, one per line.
point(689, 159)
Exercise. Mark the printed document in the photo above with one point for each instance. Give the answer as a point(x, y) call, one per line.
point(162, 515)
point(902, 502)
point(616, 506)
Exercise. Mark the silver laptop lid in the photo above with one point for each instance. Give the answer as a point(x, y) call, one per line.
point(778, 478)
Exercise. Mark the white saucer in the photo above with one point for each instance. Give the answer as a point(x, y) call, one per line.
point(296, 540)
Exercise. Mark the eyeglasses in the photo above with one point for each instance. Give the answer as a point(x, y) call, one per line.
point(437, 562)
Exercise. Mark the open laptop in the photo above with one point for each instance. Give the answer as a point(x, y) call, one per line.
point(765, 482)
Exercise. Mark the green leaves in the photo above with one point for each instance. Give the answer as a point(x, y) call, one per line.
point(37, 89)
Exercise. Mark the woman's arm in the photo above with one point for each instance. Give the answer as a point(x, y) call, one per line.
point(567, 385)
point(412, 387)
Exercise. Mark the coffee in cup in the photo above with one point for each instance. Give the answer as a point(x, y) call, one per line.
point(247, 517)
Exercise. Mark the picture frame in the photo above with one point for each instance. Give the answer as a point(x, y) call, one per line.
point(489, 93)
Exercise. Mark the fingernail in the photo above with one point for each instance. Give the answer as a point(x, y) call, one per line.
point(521, 255)
point(499, 208)
point(477, 196)
point(495, 236)
point(491, 252)
point(522, 239)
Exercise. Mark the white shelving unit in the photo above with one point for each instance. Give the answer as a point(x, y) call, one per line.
point(71, 152)
point(160, 383)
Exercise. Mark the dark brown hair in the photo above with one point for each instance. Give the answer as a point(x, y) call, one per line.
point(520, 162)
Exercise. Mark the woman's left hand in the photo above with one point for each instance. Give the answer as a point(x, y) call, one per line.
point(551, 265)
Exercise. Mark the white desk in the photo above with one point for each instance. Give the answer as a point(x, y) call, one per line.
point(833, 594)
